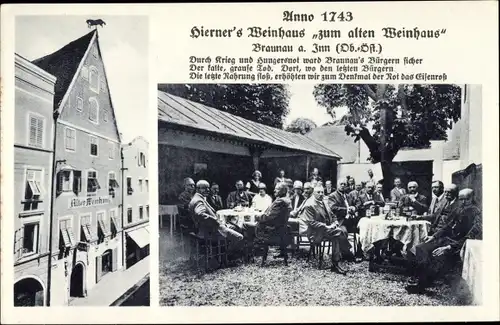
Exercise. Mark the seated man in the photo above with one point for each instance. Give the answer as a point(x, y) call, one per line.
point(205, 217)
point(439, 252)
point(444, 209)
point(328, 188)
point(367, 199)
point(261, 201)
point(214, 199)
point(438, 196)
point(316, 223)
point(354, 194)
point(340, 206)
point(379, 193)
point(239, 197)
point(186, 195)
point(398, 191)
point(274, 220)
point(413, 199)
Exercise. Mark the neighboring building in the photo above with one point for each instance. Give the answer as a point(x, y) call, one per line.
point(136, 201)
point(202, 142)
point(33, 154)
point(87, 240)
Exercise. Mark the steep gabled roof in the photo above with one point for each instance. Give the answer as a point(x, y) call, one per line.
point(179, 111)
point(64, 64)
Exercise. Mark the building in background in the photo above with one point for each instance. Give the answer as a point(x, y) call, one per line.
point(136, 201)
point(33, 154)
point(87, 240)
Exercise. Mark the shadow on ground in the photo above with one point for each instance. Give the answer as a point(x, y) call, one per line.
point(298, 284)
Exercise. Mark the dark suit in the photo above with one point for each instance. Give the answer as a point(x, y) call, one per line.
point(338, 203)
point(441, 215)
point(315, 222)
point(272, 222)
point(365, 197)
point(436, 202)
point(296, 205)
point(184, 199)
point(462, 224)
point(420, 204)
point(353, 196)
point(215, 202)
point(234, 198)
point(397, 194)
point(206, 220)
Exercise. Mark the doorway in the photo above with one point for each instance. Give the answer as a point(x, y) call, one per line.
point(76, 281)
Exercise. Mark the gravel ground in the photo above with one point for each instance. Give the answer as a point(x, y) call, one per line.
point(298, 284)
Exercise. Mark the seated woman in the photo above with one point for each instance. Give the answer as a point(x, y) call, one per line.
point(261, 201)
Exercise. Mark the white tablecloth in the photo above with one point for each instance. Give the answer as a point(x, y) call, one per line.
point(410, 233)
point(472, 271)
point(238, 217)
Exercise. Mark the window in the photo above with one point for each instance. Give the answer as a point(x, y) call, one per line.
point(70, 139)
point(112, 149)
point(77, 181)
point(85, 72)
point(94, 146)
point(147, 185)
point(92, 182)
point(79, 104)
point(36, 131)
point(141, 160)
point(130, 190)
point(115, 222)
point(69, 180)
point(105, 116)
point(140, 185)
point(112, 184)
point(93, 110)
point(94, 79)
point(141, 212)
point(30, 238)
point(87, 234)
point(66, 238)
point(147, 211)
point(33, 189)
point(103, 226)
point(129, 215)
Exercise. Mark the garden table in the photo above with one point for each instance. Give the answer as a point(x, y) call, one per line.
point(472, 271)
point(172, 212)
point(237, 217)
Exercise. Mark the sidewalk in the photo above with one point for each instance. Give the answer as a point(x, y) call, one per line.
point(114, 285)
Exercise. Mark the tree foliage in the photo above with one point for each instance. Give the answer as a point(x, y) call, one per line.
point(301, 125)
point(262, 103)
point(412, 115)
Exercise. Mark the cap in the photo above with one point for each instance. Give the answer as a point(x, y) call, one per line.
point(297, 184)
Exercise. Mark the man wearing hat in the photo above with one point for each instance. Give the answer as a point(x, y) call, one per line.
point(261, 201)
point(414, 199)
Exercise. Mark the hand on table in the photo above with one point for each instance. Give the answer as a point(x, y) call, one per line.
point(440, 250)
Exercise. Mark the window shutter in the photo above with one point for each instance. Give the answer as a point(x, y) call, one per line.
point(18, 243)
point(98, 268)
point(39, 133)
point(115, 260)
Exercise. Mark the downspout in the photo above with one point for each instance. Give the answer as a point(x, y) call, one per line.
point(123, 209)
point(52, 197)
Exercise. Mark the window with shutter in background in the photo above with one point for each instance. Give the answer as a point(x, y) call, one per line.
point(30, 238)
point(87, 234)
point(77, 181)
point(147, 211)
point(93, 110)
point(67, 237)
point(129, 215)
point(94, 147)
point(70, 139)
point(111, 150)
point(92, 183)
point(35, 131)
point(130, 190)
point(33, 189)
point(141, 212)
point(103, 226)
point(112, 184)
point(147, 185)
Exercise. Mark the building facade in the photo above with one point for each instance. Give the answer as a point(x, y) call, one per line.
point(86, 230)
point(135, 194)
point(33, 154)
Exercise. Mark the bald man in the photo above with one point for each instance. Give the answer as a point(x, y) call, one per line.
point(205, 217)
point(186, 196)
point(439, 252)
point(414, 199)
point(441, 214)
point(369, 198)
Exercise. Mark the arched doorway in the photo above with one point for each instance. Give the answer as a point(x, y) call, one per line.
point(28, 292)
point(76, 282)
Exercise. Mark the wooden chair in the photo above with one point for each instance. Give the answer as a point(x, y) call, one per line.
point(318, 250)
point(207, 248)
point(282, 239)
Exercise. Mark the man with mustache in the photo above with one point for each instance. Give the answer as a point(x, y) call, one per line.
point(442, 213)
point(413, 199)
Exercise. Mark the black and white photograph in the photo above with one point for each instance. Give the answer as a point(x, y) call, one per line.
point(320, 194)
point(81, 181)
